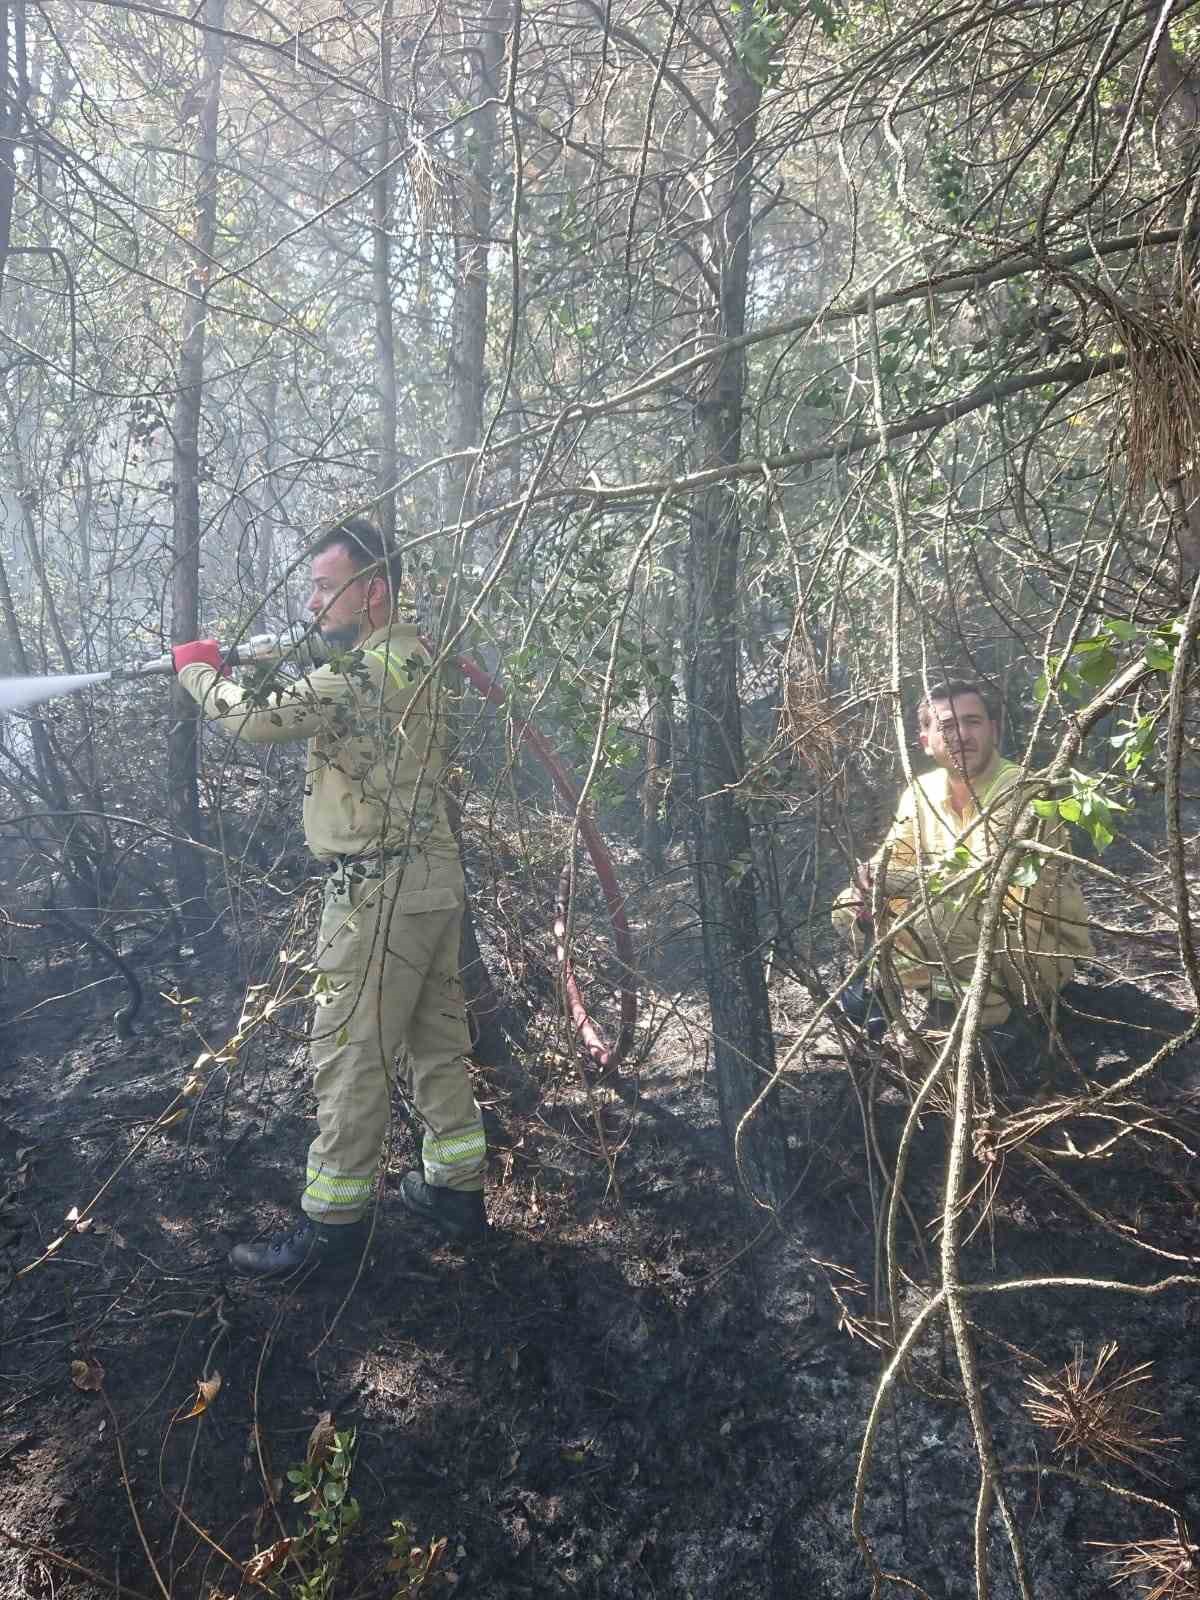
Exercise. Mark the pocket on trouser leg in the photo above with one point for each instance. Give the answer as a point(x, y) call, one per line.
point(345, 909)
point(455, 1160)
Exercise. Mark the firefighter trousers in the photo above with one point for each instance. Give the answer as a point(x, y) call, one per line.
point(387, 980)
point(1022, 974)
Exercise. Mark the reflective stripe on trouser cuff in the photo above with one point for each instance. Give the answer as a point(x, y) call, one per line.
point(449, 1158)
point(330, 1191)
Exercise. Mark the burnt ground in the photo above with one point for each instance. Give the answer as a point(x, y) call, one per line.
point(616, 1396)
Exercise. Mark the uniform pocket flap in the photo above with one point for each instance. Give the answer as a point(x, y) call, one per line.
point(411, 902)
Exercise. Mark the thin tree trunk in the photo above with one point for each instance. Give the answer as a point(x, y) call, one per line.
point(268, 499)
point(43, 755)
point(258, 510)
point(743, 1045)
point(660, 742)
point(468, 341)
point(183, 743)
point(468, 335)
point(381, 275)
point(14, 92)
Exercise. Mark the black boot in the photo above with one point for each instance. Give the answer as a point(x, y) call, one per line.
point(940, 1016)
point(861, 1004)
point(458, 1213)
point(1021, 1047)
point(307, 1247)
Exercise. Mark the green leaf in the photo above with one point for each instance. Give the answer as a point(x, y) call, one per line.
point(830, 20)
point(1159, 659)
point(1027, 872)
point(1102, 834)
point(1070, 809)
point(1098, 667)
point(1120, 629)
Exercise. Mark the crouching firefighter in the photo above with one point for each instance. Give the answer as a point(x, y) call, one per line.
point(388, 941)
point(949, 823)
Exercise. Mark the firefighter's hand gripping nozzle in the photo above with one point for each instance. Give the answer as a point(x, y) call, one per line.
point(261, 647)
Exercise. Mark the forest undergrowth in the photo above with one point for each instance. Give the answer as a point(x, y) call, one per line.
point(635, 1388)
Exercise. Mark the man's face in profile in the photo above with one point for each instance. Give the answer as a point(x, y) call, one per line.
point(959, 735)
point(339, 598)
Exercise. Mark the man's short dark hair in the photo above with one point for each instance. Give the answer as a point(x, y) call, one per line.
point(367, 546)
point(950, 690)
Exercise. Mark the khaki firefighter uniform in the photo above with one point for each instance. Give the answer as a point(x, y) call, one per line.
point(1043, 929)
point(387, 950)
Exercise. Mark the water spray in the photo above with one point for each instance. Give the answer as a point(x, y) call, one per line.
point(18, 693)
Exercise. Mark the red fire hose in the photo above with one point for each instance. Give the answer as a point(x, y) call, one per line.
point(599, 1051)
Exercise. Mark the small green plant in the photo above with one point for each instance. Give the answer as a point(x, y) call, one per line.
point(322, 1487)
point(413, 1564)
point(308, 1564)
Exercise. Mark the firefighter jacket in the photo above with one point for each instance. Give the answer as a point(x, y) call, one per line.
point(375, 755)
point(1044, 924)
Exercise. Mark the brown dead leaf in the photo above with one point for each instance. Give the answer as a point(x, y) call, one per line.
point(207, 1390)
point(87, 1375)
point(263, 1562)
point(172, 1118)
point(321, 1440)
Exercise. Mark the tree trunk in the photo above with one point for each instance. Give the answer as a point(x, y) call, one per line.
point(260, 509)
point(468, 334)
point(381, 277)
point(14, 92)
point(659, 744)
point(183, 745)
point(743, 1044)
point(48, 770)
point(468, 341)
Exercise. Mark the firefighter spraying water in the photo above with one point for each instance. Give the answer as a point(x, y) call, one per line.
point(388, 944)
point(18, 694)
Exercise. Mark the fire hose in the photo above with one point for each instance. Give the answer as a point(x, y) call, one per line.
point(602, 1055)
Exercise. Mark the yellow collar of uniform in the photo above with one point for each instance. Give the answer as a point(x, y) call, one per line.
point(981, 786)
point(389, 630)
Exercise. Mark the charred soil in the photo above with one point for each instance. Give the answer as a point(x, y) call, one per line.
point(637, 1388)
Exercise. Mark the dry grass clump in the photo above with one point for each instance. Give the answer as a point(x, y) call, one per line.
point(1163, 1569)
point(1094, 1410)
point(1164, 389)
point(809, 720)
